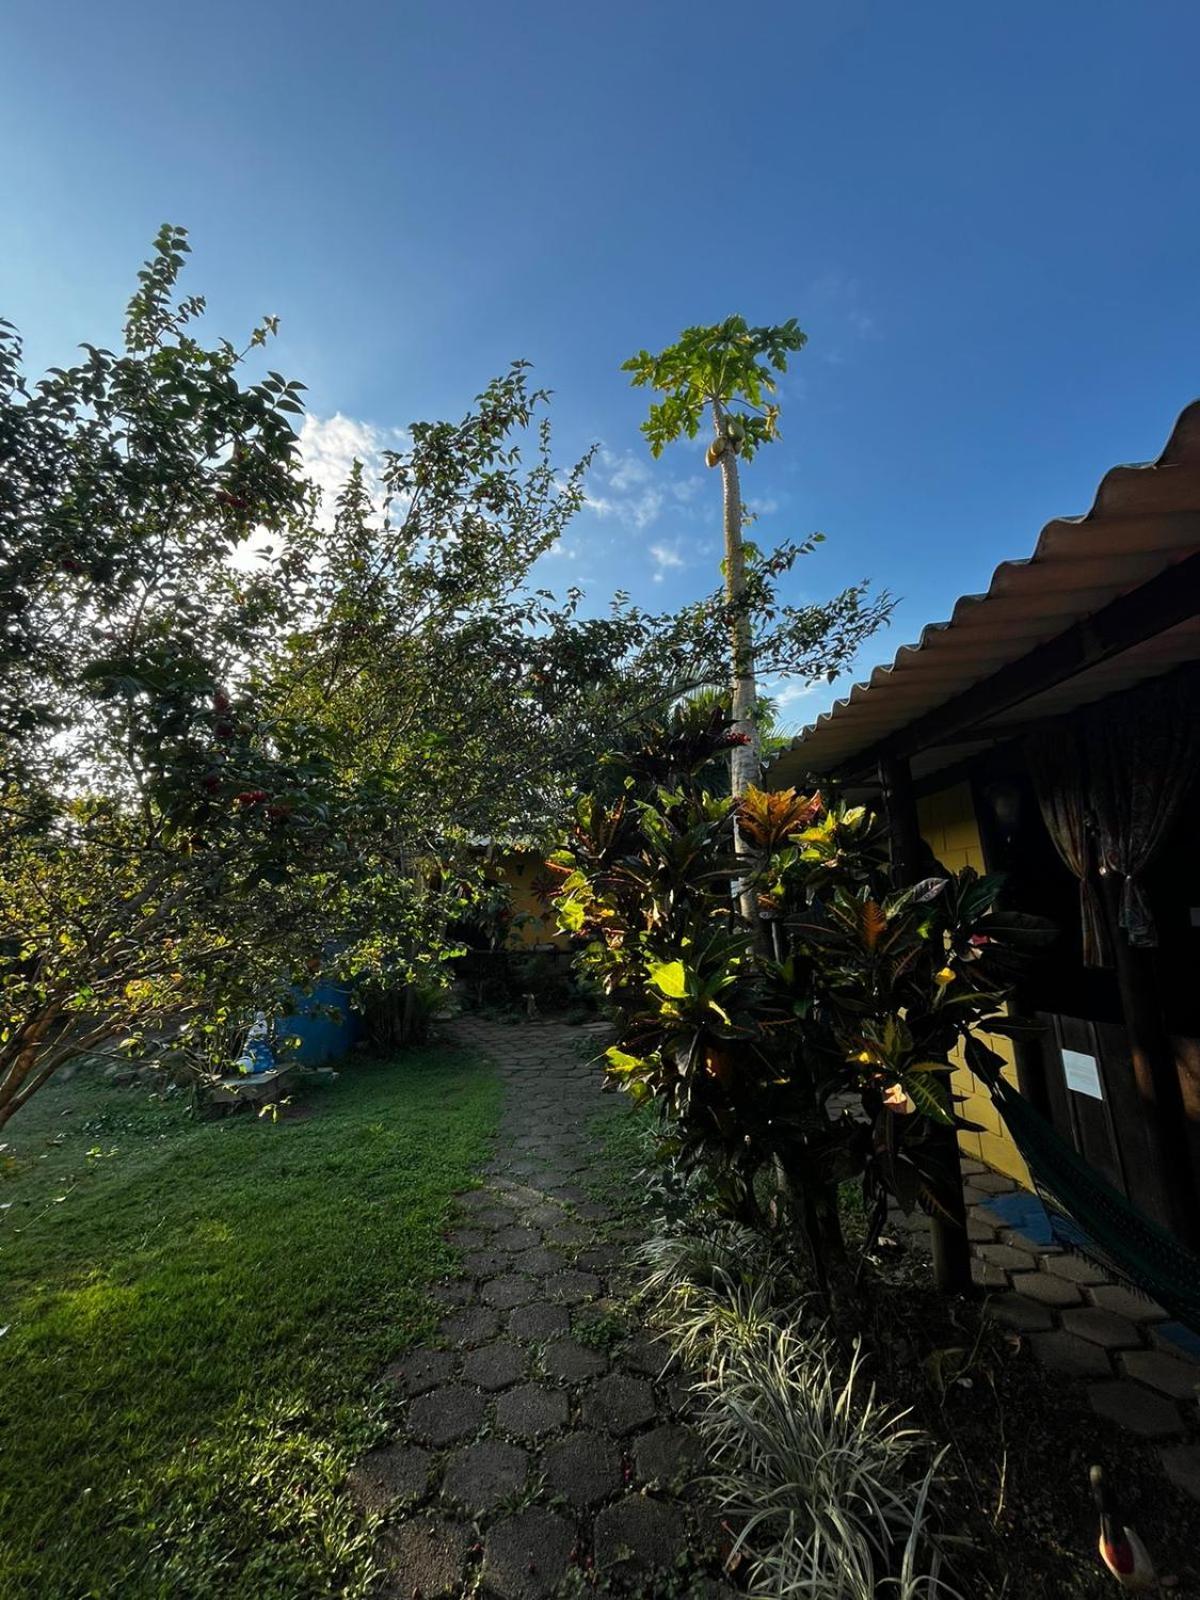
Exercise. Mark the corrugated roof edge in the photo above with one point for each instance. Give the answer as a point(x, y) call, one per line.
point(1183, 445)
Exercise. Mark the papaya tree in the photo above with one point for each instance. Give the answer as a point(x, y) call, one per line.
point(724, 374)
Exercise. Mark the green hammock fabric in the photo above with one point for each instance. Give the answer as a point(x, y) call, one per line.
point(1092, 1217)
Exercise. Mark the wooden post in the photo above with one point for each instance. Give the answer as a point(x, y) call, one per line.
point(948, 1235)
point(1155, 1071)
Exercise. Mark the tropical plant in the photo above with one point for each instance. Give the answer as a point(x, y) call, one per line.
point(829, 1490)
point(725, 371)
point(752, 1048)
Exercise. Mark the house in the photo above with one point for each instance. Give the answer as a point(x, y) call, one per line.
point(1051, 730)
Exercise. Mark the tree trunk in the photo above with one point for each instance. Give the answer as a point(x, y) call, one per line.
point(744, 764)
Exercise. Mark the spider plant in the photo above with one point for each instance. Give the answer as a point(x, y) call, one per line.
point(821, 1478)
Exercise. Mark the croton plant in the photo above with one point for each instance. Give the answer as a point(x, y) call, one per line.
point(814, 1048)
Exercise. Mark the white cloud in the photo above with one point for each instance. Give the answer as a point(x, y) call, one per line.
point(625, 471)
point(789, 694)
point(623, 486)
point(666, 559)
point(331, 445)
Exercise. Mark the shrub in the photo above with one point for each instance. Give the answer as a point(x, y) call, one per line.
point(753, 1038)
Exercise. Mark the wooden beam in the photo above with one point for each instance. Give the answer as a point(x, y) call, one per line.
point(1170, 598)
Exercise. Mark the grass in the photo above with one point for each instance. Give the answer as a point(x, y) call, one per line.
point(197, 1314)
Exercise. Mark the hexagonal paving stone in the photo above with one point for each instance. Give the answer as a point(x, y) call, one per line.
point(426, 1557)
point(1064, 1352)
point(446, 1414)
point(391, 1473)
point(1015, 1311)
point(1003, 1255)
point(639, 1533)
point(496, 1217)
point(546, 1215)
point(1101, 1327)
point(1077, 1268)
point(476, 1200)
point(601, 1257)
point(508, 1291)
point(537, 1261)
point(993, 1183)
point(618, 1404)
point(453, 1292)
point(1181, 1463)
point(514, 1240)
point(484, 1263)
point(468, 1238)
point(1022, 1241)
point(495, 1366)
point(531, 1410)
point(573, 1362)
point(539, 1321)
point(1046, 1289)
point(572, 1288)
point(1178, 1380)
point(526, 1557)
point(1124, 1303)
point(585, 1468)
point(521, 1195)
point(482, 1475)
point(979, 1231)
point(1140, 1410)
point(643, 1355)
point(569, 1233)
point(987, 1276)
point(422, 1369)
point(667, 1455)
point(471, 1325)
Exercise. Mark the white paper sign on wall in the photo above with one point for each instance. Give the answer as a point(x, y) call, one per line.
point(1082, 1073)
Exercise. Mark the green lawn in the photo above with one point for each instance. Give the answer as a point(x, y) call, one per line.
point(196, 1315)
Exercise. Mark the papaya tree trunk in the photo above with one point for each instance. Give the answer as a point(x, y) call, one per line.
point(743, 758)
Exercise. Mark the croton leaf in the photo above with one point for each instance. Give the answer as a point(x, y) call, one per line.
point(670, 977)
point(768, 818)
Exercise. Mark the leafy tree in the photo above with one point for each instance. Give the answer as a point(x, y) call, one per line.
point(148, 820)
point(243, 742)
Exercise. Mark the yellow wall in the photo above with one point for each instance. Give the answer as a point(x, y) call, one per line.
point(519, 870)
point(948, 826)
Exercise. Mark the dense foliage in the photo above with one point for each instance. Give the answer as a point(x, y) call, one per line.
point(248, 740)
point(812, 1048)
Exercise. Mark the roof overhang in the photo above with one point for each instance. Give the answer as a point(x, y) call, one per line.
point(1106, 600)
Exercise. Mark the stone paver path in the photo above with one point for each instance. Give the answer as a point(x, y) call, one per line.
point(539, 1443)
point(1137, 1365)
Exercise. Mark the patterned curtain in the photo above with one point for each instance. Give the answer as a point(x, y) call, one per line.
point(1110, 781)
point(1142, 753)
point(1056, 762)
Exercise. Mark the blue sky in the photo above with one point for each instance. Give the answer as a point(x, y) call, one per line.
point(986, 218)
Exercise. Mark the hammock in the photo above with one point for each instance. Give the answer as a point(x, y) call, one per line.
point(1091, 1217)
